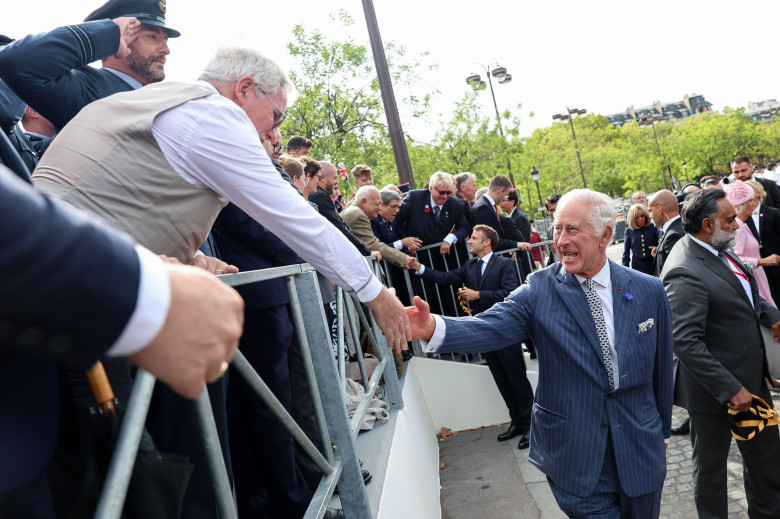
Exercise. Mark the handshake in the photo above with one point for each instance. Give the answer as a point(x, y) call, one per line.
point(411, 263)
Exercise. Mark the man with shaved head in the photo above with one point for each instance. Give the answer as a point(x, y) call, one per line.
point(666, 216)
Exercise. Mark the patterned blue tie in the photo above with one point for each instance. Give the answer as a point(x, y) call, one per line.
point(601, 328)
point(436, 212)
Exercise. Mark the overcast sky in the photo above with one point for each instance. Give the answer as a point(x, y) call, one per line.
point(600, 55)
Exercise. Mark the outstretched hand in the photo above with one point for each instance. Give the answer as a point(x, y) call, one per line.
point(421, 320)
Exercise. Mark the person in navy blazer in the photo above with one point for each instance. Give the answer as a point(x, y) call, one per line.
point(485, 212)
point(71, 289)
point(599, 438)
point(489, 279)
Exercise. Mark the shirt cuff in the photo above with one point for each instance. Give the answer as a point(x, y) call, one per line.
point(151, 308)
point(370, 290)
point(398, 245)
point(422, 269)
point(437, 339)
point(451, 239)
point(198, 253)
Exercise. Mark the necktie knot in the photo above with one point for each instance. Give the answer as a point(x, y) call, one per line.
point(588, 284)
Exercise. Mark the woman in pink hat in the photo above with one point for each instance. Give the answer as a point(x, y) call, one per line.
point(747, 247)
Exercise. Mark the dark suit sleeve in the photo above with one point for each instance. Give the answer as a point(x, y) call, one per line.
point(524, 226)
point(404, 210)
point(508, 278)
point(69, 285)
point(483, 214)
point(451, 277)
point(772, 194)
point(462, 227)
point(242, 229)
point(627, 249)
point(39, 68)
point(328, 210)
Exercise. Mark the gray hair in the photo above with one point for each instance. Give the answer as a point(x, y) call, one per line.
point(440, 177)
point(462, 178)
point(481, 191)
point(232, 63)
point(388, 195)
point(601, 213)
point(364, 192)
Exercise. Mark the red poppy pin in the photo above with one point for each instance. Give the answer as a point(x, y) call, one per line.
point(427, 208)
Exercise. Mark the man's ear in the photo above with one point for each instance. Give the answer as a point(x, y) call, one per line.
point(243, 88)
point(708, 225)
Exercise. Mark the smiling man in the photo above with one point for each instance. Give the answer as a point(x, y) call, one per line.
point(603, 405)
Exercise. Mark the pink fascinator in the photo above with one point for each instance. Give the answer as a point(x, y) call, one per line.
point(738, 192)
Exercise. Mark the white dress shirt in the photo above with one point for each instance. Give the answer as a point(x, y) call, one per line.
point(669, 223)
point(743, 281)
point(450, 238)
point(212, 144)
point(757, 218)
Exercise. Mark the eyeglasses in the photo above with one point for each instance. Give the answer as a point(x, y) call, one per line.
point(282, 115)
point(443, 193)
point(278, 147)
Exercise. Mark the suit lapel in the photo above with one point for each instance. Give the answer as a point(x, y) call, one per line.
point(717, 267)
point(487, 269)
point(576, 302)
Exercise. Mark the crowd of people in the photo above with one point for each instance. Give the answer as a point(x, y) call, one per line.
point(128, 193)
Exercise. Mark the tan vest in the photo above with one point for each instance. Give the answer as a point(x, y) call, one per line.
point(107, 162)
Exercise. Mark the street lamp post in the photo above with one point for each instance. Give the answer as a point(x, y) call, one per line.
point(535, 177)
point(568, 116)
point(475, 82)
point(685, 169)
point(650, 121)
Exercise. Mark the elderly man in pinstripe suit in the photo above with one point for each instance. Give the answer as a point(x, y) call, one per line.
point(602, 411)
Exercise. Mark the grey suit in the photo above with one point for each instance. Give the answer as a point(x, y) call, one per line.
point(717, 339)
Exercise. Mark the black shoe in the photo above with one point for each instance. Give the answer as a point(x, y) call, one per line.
point(334, 513)
point(366, 478)
point(514, 430)
point(683, 429)
point(525, 441)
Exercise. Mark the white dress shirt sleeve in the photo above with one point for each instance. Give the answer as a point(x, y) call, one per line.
point(212, 144)
point(151, 307)
point(451, 239)
point(437, 339)
point(397, 245)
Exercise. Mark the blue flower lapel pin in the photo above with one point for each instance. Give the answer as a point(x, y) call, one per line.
point(643, 327)
point(626, 295)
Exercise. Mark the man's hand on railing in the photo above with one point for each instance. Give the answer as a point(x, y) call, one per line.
point(523, 245)
point(201, 331)
point(411, 243)
point(390, 316)
point(213, 265)
point(377, 255)
point(445, 248)
point(421, 320)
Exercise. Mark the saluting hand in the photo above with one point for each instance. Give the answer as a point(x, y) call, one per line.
point(129, 29)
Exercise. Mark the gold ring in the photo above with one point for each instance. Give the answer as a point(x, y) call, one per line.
point(222, 369)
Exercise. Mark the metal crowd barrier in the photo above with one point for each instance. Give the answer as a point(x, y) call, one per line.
point(425, 255)
point(336, 456)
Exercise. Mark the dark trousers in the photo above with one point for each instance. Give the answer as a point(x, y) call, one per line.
point(711, 439)
point(268, 483)
point(507, 366)
point(608, 501)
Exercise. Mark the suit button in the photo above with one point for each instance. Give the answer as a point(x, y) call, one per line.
point(603, 426)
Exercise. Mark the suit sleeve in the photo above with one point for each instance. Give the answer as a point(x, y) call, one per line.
point(327, 210)
point(688, 298)
point(627, 249)
point(773, 194)
point(40, 68)
point(250, 234)
point(402, 217)
point(482, 214)
point(451, 277)
point(508, 278)
point(361, 228)
point(69, 286)
point(524, 226)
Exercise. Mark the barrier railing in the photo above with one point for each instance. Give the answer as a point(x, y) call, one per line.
point(336, 456)
point(520, 257)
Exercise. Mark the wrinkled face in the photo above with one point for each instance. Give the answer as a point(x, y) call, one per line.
point(370, 205)
point(742, 171)
point(580, 251)
point(478, 243)
point(440, 194)
point(468, 189)
point(260, 109)
point(389, 211)
point(147, 59)
point(366, 180)
point(639, 198)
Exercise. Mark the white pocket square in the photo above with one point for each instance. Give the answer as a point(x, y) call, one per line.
point(643, 327)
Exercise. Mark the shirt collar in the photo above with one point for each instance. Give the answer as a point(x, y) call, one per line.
point(127, 79)
point(489, 199)
point(669, 222)
point(434, 204)
point(706, 246)
point(486, 257)
point(602, 278)
point(758, 210)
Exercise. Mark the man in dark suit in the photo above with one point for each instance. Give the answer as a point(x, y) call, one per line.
point(743, 170)
point(485, 212)
point(489, 279)
point(434, 216)
point(765, 225)
point(74, 290)
point(603, 332)
point(510, 205)
point(133, 47)
point(384, 226)
point(718, 316)
point(665, 211)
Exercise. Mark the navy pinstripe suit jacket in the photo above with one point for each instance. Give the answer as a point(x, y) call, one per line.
point(574, 410)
